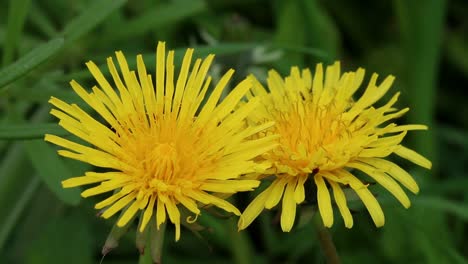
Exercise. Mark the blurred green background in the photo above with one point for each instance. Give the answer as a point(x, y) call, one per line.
point(45, 43)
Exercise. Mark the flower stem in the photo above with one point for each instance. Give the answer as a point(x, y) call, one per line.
point(241, 246)
point(156, 242)
point(145, 258)
point(326, 241)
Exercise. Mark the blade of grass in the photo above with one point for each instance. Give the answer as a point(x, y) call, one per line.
point(49, 166)
point(15, 173)
point(321, 31)
point(94, 14)
point(145, 258)
point(30, 131)
point(160, 15)
point(457, 50)
point(290, 31)
point(29, 61)
point(434, 202)
point(421, 25)
point(319, 54)
point(241, 246)
point(52, 170)
point(11, 218)
point(40, 19)
point(16, 16)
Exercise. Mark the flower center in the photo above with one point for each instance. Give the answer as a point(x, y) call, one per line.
point(162, 161)
point(313, 137)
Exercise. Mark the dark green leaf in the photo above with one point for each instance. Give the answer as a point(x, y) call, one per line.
point(30, 61)
point(16, 18)
point(15, 178)
point(458, 209)
point(30, 131)
point(160, 15)
point(52, 170)
point(94, 14)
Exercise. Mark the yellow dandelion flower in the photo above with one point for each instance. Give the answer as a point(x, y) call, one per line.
point(162, 147)
point(324, 135)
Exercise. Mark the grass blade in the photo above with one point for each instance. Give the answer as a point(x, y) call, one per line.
point(321, 31)
point(160, 15)
point(16, 173)
point(20, 204)
point(30, 131)
point(290, 31)
point(39, 18)
point(52, 170)
point(421, 25)
point(16, 16)
point(29, 61)
point(439, 203)
point(96, 12)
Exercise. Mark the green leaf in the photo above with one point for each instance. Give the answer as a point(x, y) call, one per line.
point(322, 32)
point(16, 177)
point(421, 25)
point(30, 131)
point(290, 31)
point(94, 14)
point(457, 50)
point(439, 203)
point(160, 15)
point(30, 61)
point(66, 239)
point(241, 245)
point(320, 54)
point(42, 21)
point(16, 16)
point(52, 170)
point(12, 216)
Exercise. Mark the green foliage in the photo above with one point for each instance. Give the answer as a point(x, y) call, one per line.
point(44, 45)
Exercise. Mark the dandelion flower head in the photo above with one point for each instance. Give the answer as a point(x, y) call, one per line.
point(166, 145)
point(325, 137)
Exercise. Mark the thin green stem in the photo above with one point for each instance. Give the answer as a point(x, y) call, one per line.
point(156, 242)
point(326, 241)
point(241, 245)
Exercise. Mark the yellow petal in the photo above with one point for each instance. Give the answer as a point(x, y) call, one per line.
point(276, 192)
point(160, 212)
point(340, 200)
point(118, 205)
point(128, 214)
point(102, 188)
point(211, 199)
point(229, 186)
point(324, 201)
point(160, 74)
point(317, 85)
point(83, 180)
point(299, 193)
point(148, 213)
point(413, 156)
point(288, 213)
point(366, 197)
point(214, 97)
point(395, 171)
point(253, 210)
point(181, 80)
point(110, 200)
point(174, 216)
point(188, 203)
point(384, 180)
